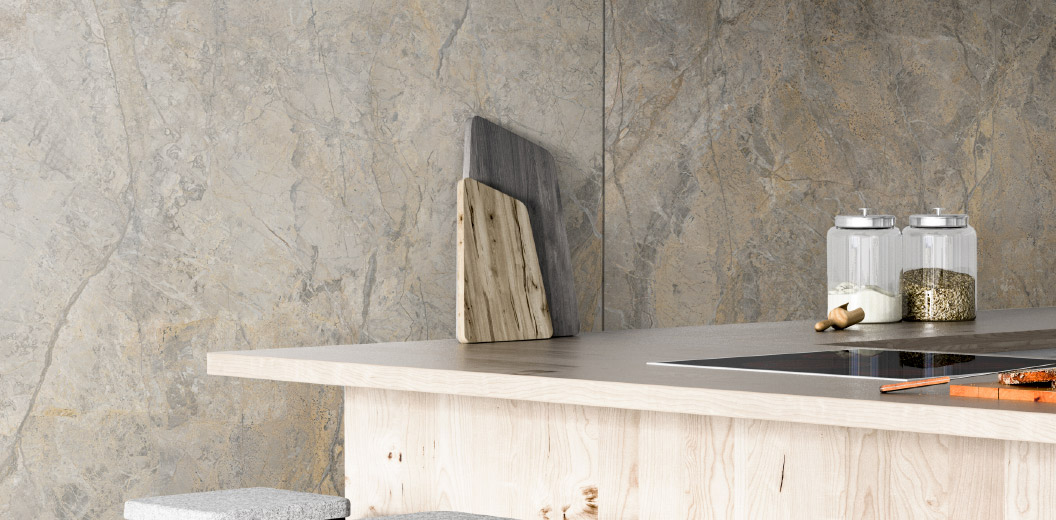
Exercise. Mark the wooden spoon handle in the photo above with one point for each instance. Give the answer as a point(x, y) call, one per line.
point(917, 383)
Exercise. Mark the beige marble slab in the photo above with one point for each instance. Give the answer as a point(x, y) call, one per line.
point(736, 130)
point(180, 175)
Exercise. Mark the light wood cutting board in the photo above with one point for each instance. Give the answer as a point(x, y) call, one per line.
point(527, 172)
point(500, 295)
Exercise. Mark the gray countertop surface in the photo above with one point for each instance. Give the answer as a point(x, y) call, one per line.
point(611, 361)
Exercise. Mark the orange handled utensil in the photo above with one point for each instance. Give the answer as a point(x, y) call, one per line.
point(941, 380)
point(916, 383)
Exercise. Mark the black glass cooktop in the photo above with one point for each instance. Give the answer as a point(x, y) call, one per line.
point(853, 362)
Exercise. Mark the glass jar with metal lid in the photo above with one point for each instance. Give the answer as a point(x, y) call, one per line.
point(939, 268)
point(864, 264)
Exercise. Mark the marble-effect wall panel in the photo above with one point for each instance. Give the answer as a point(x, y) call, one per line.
point(736, 129)
point(181, 177)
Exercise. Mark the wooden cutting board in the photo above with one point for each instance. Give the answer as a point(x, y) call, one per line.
point(527, 172)
point(1034, 375)
point(500, 295)
point(1005, 392)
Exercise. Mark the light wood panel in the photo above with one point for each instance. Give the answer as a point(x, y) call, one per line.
point(1028, 479)
point(535, 460)
point(527, 172)
point(500, 294)
point(420, 452)
point(618, 448)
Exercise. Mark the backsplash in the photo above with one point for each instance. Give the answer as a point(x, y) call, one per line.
point(186, 177)
point(736, 130)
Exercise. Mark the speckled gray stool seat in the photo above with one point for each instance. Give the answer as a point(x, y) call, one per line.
point(239, 504)
point(440, 515)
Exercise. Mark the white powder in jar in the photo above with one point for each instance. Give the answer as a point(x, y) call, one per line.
point(879, 305)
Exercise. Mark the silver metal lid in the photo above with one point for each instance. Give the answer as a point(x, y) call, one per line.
point(938, 219)
point(865, 221)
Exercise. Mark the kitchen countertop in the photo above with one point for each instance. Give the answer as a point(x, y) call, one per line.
point(608, 369)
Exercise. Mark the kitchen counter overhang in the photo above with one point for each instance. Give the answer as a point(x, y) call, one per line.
point(609, 369)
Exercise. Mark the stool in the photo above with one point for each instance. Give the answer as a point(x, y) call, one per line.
point(239, 504)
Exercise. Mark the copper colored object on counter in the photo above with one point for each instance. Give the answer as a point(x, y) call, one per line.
point(1029, 376)
point(915, 383)
point(931, 381)
point(1037, 394)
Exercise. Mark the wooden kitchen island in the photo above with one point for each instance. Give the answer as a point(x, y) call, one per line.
point(582, 427)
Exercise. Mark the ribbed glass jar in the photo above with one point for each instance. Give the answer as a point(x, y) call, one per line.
point(939, 268)
point(864, 264)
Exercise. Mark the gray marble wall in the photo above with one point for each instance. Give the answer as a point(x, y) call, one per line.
point(736, 129)
point(180, 177)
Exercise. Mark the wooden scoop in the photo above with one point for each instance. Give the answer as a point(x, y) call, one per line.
point(840, 318)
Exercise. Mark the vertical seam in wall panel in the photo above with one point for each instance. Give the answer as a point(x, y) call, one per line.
point(604, 212)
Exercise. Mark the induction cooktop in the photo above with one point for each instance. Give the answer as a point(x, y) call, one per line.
point(872, 363)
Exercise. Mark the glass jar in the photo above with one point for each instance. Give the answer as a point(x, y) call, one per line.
point(939, 266)
point(864, 263)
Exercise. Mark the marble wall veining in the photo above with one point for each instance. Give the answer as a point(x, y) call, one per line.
point(736, 129)
point(187, 176)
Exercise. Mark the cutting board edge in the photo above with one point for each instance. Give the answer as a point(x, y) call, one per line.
point(565, 320)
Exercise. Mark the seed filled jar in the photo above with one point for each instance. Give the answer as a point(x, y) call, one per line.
point(864, 263)
point(939, 268)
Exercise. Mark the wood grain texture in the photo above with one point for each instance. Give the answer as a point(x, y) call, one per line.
point(527, 172)
point(981, 391)
point(1005, 392)
point(1028, 480)
point(500, 292)
point(1018, 377)
point(415, 452)
point(412, 452)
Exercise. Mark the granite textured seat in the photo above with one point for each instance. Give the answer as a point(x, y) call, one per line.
point(239, 504)
point(440, 515)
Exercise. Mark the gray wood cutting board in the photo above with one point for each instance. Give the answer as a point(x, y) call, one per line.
point(527, 172)
point(501, 295)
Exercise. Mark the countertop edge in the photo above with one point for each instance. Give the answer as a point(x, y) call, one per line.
point(1012, 425)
